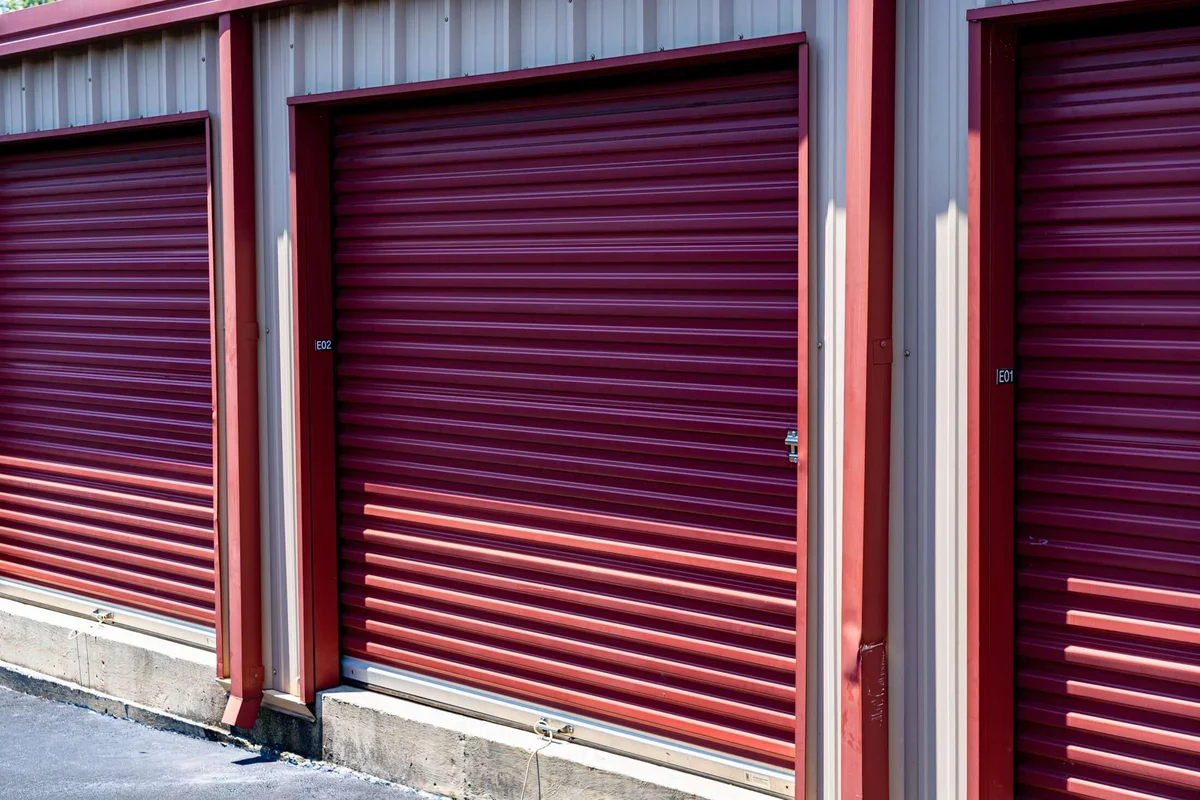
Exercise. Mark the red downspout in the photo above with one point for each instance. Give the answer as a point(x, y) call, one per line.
point(870, 207)
point(241, 370)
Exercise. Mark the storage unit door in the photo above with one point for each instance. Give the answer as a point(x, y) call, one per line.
point(1108, 416)
point(106, 415)
point(566, 366)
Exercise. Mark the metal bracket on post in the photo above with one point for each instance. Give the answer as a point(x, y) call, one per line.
point(792, 440)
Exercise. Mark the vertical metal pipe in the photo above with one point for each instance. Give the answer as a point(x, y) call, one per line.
point(236, 128)
point(870, 215)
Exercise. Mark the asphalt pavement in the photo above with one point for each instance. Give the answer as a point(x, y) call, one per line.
point(50, 750)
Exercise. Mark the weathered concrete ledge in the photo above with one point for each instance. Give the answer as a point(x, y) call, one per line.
point(34, 683)
point(464, 758)
point(129, 674)
point(146, 671)
point(173, 686)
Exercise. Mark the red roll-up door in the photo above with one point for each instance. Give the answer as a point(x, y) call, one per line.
point(1108, 415)
point(106, 415)
point(566, 366)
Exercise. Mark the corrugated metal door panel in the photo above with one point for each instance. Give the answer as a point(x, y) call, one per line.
point(1108, 416)
point(566, 366)
point(106, 428)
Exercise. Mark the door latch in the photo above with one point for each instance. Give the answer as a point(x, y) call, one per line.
point(793, 442)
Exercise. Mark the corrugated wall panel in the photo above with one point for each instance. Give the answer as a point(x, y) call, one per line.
point(365, 63)
point(279, 67)
point(925, 655)
point(614, 26)
point(825, 24)
point(693, 21)
point(752, 18)
point(544, 32)
point(74, 89)
point(109, 85)
point(143, 76)
point(491, 36)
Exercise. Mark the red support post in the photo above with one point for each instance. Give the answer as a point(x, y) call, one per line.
point(870, 209)
point(236, 127)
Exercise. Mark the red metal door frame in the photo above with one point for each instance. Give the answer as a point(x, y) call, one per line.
point(114, 130)
point(991, 346)
point(313, 313)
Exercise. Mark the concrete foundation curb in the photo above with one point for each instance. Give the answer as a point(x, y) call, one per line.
point(143, 670)
point(32, 683)
point(173, 687)
point(163, 684)
point(470, 759)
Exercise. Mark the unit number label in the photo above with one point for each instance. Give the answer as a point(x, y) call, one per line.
point(1005, 375)
point(324, 344)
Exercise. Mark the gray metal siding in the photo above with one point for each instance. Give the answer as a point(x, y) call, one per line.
point(139, 76)
point(825, 26)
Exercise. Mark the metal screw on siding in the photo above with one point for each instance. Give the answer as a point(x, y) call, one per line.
point(445, 19)
point(201, 58)
point(661, 49)
point(907, 353)
point(741, 36)
point(291, 47)
point(592, 57)
point(820, 345)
